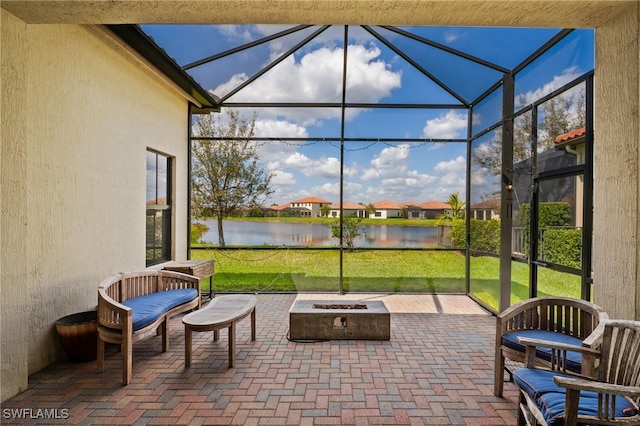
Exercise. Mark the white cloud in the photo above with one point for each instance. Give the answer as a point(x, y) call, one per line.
point(392, 160)
point(452, 125)
point(457, 165)
point(279, 128)
point(327, 167)
point(317, 77)
point(236, 32)
point(369, 175)
point(565, 77)
point(331, 191)
point(281, 178)
point(451, 36)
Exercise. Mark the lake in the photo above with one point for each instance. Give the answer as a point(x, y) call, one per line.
point(249, 233)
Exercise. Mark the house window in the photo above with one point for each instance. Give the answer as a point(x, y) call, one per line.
point(158, 218)
point(378, 214)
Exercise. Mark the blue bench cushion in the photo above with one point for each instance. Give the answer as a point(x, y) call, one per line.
point(550, 398)
point(574, 359)
point(148, 308)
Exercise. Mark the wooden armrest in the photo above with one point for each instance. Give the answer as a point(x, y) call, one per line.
point(598, 387)
point(595, 338)
point(111, 313)
point(558, 353)
point(529, 342)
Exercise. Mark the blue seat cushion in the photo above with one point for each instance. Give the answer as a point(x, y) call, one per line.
point(550, 398)
point(148, 308)
point(574, 359)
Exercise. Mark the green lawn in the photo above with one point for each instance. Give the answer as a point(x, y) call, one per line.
point(387, 271)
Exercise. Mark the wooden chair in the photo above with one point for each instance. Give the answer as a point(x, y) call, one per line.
point(552, 397)
point(558, 319)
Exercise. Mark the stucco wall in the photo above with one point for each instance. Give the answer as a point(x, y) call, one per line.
point(616, 167)
point(13, 219)
point(81, 114)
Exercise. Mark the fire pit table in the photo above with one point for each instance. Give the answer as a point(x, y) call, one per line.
point(339, 320)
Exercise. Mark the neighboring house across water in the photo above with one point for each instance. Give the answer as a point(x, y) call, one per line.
point(486, 210)
point(348, 208)
point(414, 210)
point(309, 206)
point(386, 210)
point(432, 209)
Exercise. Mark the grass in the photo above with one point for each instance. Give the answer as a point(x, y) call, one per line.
point(385, 271)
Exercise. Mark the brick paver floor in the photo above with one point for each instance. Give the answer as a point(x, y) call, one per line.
point(437, 369)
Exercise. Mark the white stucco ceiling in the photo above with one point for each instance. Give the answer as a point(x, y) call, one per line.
point(533, 13)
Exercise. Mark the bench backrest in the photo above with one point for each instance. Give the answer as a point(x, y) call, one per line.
point(574, 317)
point(118, 288)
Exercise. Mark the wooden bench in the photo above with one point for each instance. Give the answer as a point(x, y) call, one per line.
point(221, 312)
point(557, 319)
point(134, 305)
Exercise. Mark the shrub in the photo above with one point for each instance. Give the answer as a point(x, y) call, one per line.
point(549, 214)
point(197, 231)
point(562, 247)
point(485, 235)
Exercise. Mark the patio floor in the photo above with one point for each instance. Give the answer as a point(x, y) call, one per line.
point(437, 369)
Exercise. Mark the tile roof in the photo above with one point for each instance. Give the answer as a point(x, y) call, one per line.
point(487, 204)
point(435, 205)
point(574, 134)
point(386, 204)
point(347, 205)
point(280, 207)
point(311, 200)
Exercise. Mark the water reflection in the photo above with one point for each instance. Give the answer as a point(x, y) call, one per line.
point(239, 233)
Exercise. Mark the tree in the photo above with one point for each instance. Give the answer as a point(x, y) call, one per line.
point(559, 115)
point(325, 210)
point(370, 210)
point(351, 230)
point(457, 209)
point(226, 174)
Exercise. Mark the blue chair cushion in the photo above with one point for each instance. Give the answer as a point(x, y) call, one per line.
point(550, 398)
point(574, 359)
point(148, 308)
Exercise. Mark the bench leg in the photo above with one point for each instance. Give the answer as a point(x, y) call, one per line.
point(253, 325)
point(498, 379)
point(187, 346)
point(127, 361)
point(165, 335)
point(232, 345)
point(100, 355)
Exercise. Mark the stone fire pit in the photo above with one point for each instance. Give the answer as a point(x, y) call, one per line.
point(339, 320)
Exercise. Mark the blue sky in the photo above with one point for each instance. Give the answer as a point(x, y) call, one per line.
point(396, 170)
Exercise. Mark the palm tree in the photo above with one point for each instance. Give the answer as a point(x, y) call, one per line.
point(457, 209)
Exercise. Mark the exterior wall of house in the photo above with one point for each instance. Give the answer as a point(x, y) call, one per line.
point(78, 114)
point(617, 166)
point(386, 214)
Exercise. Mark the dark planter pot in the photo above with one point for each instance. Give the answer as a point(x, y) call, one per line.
point(78, 334)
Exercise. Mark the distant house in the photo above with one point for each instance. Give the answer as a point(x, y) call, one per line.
point(309, 206)
point(486, 210)
point(282, 210)
point(387, 210)
point(413, 209)
point(348, 209)
point(573, 143)
point(432, 209)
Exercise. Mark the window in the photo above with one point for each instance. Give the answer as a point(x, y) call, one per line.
point(158, 219)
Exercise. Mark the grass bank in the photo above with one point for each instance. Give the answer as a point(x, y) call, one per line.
point(385, 271)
